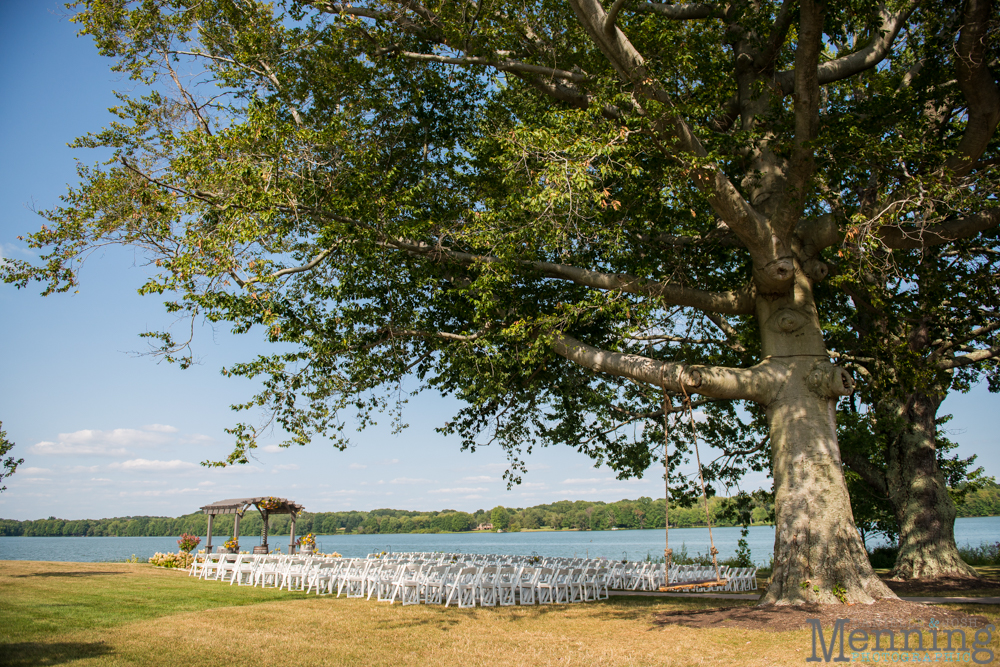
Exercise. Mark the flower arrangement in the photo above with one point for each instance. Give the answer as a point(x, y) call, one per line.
point(270, 503)
point(307, 541)
point(188, 542)
point(178, 560)
point(232, 544)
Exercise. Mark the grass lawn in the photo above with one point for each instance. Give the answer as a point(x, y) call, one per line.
point(135, 614)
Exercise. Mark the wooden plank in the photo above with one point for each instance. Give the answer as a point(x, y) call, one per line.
point(694, 584)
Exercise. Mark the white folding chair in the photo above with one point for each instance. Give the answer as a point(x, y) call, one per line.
point(463, 590)
point(507, 582)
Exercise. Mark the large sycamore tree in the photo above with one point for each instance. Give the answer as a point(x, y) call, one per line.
point(572, 216)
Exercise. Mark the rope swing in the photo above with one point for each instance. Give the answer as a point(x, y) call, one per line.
point(667, 551)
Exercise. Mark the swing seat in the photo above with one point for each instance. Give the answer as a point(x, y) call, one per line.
point(704, 583)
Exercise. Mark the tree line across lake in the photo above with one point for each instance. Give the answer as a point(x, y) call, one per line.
point(580, 515)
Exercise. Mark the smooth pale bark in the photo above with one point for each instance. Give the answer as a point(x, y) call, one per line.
point(818, 553)
point(920, 498)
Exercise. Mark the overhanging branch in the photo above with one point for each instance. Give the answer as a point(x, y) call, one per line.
point(969, 359)
point(755, 384)
point(733, 303)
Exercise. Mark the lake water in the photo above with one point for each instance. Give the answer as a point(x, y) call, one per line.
point(633, 544)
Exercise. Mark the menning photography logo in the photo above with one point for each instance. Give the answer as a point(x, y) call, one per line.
point(963, 640)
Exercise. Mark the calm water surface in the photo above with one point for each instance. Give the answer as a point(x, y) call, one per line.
point(633, 544)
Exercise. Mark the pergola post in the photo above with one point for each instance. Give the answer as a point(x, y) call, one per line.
point(291, 542)
point(236, 526)
point(263, 530)
point(208, 540)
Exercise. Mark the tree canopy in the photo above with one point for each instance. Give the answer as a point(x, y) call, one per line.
point(571, 216)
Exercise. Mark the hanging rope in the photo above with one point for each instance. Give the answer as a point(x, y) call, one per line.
point(701, 478)
point(667, 551)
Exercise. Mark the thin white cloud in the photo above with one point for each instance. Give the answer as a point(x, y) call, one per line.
point(410, 480)
point(99, 479)
point(160, 428)
point(357, 466)
point(238, 470)
point(145, 465)
point(272, 449)
point(490, 467)
point(92, 442)
point(589, 480)
point(196, 439)
point(478, 478)
point(459, 490)
point(46, 447)
point(474, 496)
point(33, 471)
point(164, 492)
point(388, 462)
point(534, 485)
point(34, 479)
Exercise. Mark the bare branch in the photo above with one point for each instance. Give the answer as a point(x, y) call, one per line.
point(900, 238)
point(732, 338)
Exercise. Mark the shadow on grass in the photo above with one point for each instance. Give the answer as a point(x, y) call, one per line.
point(65, 574)
point(40, 653)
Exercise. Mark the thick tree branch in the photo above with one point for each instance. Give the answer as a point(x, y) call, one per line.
point(309, 266)
point(978, 86)
point(859, 61)
point(773, 266)
point(806, 109)
point(912, 238)
point(969, 359)
point(755, 384)
point(959, 342)
point(865, 470)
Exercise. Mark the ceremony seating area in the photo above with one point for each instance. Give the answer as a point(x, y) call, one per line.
point(463, 580)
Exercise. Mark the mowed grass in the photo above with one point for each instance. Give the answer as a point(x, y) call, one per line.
point(123, 614)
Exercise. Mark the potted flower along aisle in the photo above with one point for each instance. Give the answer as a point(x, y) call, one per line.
point(307, 543)
point(232, 545)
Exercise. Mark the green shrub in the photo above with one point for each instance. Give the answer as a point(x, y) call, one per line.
point(986, 553)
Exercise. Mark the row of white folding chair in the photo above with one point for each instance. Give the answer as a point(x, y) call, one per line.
point(742, 579)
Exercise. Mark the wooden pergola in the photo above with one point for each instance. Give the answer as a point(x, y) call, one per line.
point(266, 505)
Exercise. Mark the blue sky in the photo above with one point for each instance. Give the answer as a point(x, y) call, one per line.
point(105, 431)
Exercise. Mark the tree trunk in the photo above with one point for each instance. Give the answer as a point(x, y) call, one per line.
point(818, 553)
point(923, 506)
